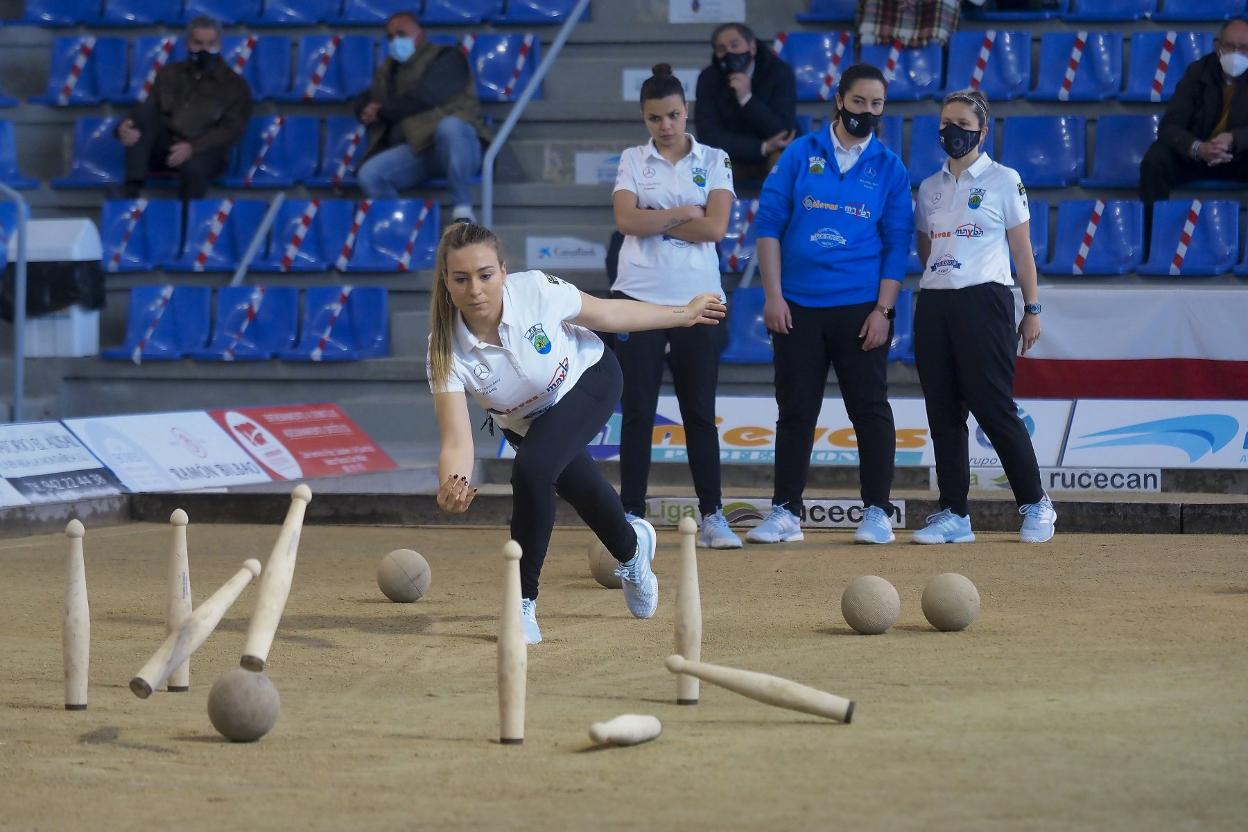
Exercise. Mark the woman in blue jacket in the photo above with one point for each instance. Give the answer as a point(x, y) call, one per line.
point(834, 227)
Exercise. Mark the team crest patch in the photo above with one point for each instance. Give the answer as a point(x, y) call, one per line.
point(1022, 191)
point(727, 163)
point(817, 164)
point(699, 177)
point(976, 199)
point(538, 338)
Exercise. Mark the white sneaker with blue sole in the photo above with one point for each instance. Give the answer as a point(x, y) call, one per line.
point(716, 533)
point(637, 579)
point(876, 527)
point(528, 621)
point(1039, 521)
point(780, 526)
point(945, 526)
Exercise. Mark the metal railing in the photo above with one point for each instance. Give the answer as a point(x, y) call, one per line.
point(19, 303)
point(517, 110)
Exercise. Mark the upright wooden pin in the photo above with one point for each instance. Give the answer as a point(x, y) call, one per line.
point(178, 609)
point(513, 656)
point(768, 689)
point(76, 632)
point(275, 584)
point(688, 611)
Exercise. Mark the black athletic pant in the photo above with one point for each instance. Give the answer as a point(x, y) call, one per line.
point(964, 345)
point(148, 155)
point(692, 353)
point(1162, 169)
point(551, 458)
point(819, 337)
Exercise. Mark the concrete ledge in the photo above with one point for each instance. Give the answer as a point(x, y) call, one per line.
point(1215, 518)
point(50, 518)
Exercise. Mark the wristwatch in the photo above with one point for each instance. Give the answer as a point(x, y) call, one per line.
point(888, 312)
point(1031, 308)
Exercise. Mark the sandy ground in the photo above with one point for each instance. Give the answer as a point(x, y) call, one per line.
point(1102, 688)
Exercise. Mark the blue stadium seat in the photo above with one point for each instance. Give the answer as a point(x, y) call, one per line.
point(342, 323)
point(9, 174)
point(345, 144)
point(7, 101)
point(829, 11)
point(299, 12)
point(1007, 72)
point(371, 12)
point(99, 159)
point(276, 152)
point(1214, 244)
point(1201, 10)
point(1121, 142)
point(349, 71)
point(926, 154)
point(60, 12)
point(538, 12)
point(749, 342)
point(229, 12)
point(737, 247)
point(1098, 76)
point(140, 12)
point(253, 323)
point(101, 78)
point(901, 346)
point(1047, 151)
point(1117, 245)
point(214, 244)
point(264, 61)
point(148, 55)
point(890, 133)
point(1039, 228)
point(989, 12)
point(139, 235)
point(8, 224)
point(917, 75)
point(503, 64)
point(459, 12)
point(817, 59)
point(307, 240)
point(1109, 9)
point(1240, 271)
point(1145, 62)
point(164, 323)
point(913, 266)
point(396, 235)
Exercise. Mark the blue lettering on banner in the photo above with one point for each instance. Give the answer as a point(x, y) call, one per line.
point(828, 238)
point(1197, 435)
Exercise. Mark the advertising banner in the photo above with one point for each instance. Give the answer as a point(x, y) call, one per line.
point(1140, 480)
point(634, 78)
point(42, 462)
point(292, 442)
point(705, 11)
point(1158, 434)
point(747, 513)
point(596, 168)
point(564, 253)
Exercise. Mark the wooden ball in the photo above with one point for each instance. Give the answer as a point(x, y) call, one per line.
point(602, 565)
point(243, 705)
point(870, 605)
point(950, 602)
point(404, 576)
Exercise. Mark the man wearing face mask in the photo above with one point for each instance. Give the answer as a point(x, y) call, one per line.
point(1204, 133)
point(423, 118)
point(196, 112)
point(746, 101)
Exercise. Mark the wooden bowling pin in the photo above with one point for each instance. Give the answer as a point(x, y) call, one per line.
point(628, 729)
point(178, 609)
point(184, 641)
point(76, 631)
point(770, 690)
point(513, 657)
point(275, 585)
point(688, 611)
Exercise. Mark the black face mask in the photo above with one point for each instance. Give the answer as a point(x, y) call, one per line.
point(958, 141)
point(734, 62)
point(859, 125)
point(203, 60)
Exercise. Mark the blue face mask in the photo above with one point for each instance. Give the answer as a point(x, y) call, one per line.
point(402, 48)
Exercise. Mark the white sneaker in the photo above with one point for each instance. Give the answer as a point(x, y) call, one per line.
point(637, 579)
point(780, 526)
point(1039, 521)
point(716, 534)
point(528, 621)
point(945, 526)
point(876, 527)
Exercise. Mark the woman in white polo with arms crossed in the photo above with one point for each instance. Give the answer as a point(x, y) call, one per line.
point(970, 217)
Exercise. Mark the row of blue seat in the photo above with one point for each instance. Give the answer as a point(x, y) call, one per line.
point(1116, 244)
point(837, 11)
point(89, 70)
point(291, 12)
point(818, 58)
point(255, 323)
point(380, 235)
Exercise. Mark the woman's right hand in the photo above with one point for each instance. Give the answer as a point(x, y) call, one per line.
point(455, 495)
point(776, 316)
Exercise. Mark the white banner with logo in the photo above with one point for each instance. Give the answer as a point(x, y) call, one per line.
point(1158, 433)
point(168, 451)
point(1045, 420)
point(747, 513)
point(564, 253)
point(42, 462)
point(705, 11)
point(634, 78)
point(596, 168)
point(1140, 480)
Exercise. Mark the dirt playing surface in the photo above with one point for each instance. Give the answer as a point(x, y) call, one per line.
point(1102, 688)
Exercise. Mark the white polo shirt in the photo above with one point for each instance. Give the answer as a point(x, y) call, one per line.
point(662, 269)
point(541, 358)
point(966, 220)
point(847, 157)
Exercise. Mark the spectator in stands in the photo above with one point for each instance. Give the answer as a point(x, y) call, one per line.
point(197, 111)
point(834, 227)
point(747, 101)
point(423, 118)
point(971, 216)
point(1204, 133)
point(521, 345)
point(673, 196)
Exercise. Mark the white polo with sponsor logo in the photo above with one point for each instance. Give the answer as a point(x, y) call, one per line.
point(542, 356)
point(662, 269)
point(966, 220)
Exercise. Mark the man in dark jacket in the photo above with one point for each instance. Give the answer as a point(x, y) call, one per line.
point(1204, 133)
point(196, 112)
point(423, 118)
point(746, 101)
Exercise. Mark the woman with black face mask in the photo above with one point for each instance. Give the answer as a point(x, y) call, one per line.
point(834, 226)
point(971, 217)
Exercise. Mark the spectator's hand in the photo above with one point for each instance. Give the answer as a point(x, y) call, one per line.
point(705, 309)
point(179, 154)
point(369, 114)
point(455, 495)
point(874, 332)
point(778, 142)
point(1224, 140)
point(776, 316)
point(128, 133)
point(740, 83)
point(1029, 331)
point(1212, 154)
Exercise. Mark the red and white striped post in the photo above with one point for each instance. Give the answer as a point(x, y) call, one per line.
point(162, 303)
point(833, 72)
point(86, 45)
point(301, 231)
point(335, 312)
point(1085, 245)
point(526, 46)
point(322, 66)
point(348, 245)
point(405, 261)
point(894, 55)
point(163, 53)
point(1072, 65)
point(253, 309)
point(738, 250)
point(266, 143)
point(981, 63)
point(348, 156)
point(1185, 237)
point(1163, 66)
point(214, 231)
point(132, 222)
